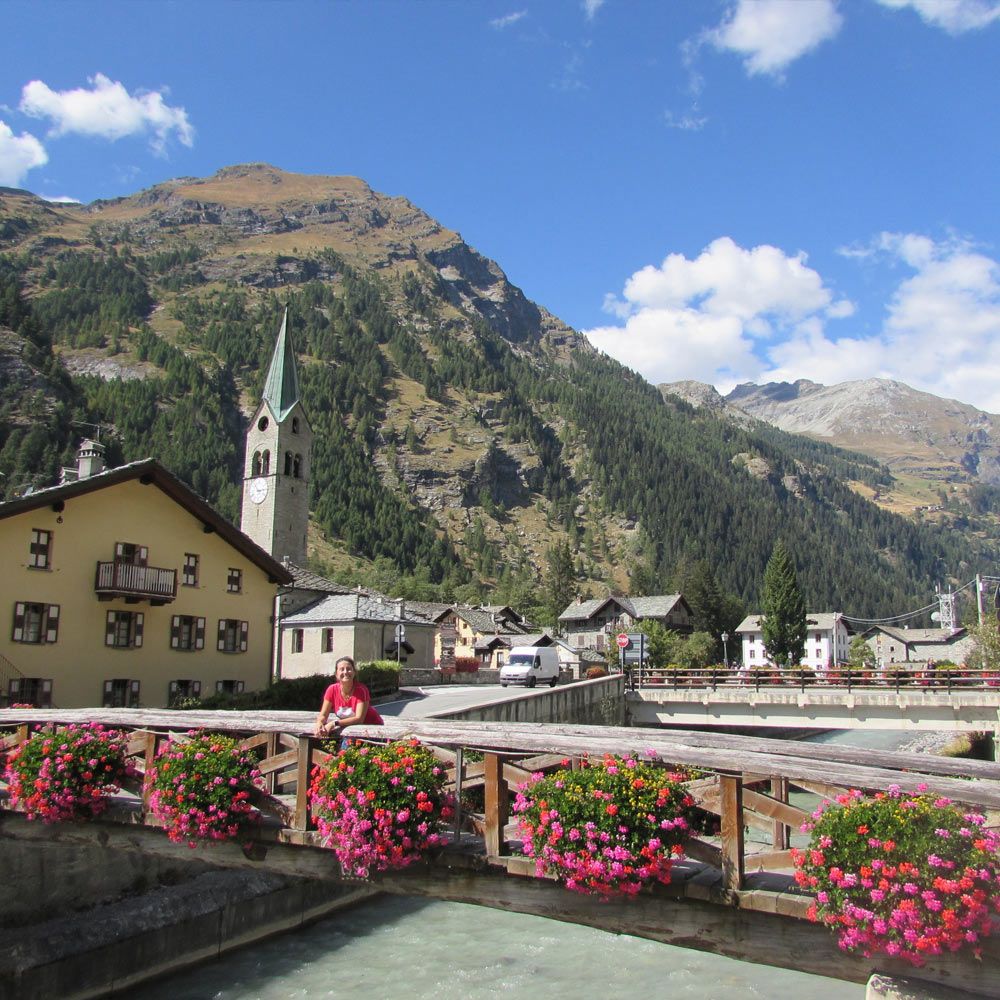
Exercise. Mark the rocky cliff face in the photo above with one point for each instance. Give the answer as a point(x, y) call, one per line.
point(911, 431)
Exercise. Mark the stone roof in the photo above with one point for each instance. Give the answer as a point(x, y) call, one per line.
point(822, 620)
point(304, 579)
point(430, 610)
point(651, 606)
point(916, 636)
point(351, 607)
point(485, 622)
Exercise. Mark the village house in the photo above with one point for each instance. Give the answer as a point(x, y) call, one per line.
point(485, 633)
point(594, 624)
point(827, 641)
point(918, 645)
point(124, 588)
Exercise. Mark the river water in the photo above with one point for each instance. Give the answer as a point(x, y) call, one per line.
point(420, 950)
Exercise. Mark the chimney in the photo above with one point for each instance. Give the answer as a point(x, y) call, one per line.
point(89, 459)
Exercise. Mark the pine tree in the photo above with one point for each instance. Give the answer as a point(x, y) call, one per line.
point(560, 581)
point(784, 621)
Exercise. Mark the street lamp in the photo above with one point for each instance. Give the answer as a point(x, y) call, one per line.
point(725, 649)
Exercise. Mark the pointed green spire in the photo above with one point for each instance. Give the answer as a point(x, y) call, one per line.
point(281, 390)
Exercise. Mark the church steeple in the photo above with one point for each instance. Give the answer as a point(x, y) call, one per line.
point(281, 389)
point(278, 455)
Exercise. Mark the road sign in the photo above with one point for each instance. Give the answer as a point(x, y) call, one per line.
point(622, 639)
point(400, 633)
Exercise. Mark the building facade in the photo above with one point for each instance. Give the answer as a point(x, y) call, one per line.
point(827, 641)
point(125, 589)
point(594, 624)
point(918, 645)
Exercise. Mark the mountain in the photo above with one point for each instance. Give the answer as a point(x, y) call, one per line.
point(461, 430)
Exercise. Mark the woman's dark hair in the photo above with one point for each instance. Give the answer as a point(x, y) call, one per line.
point(345, 659)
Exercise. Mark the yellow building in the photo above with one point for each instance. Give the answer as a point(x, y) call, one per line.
point(124, 588)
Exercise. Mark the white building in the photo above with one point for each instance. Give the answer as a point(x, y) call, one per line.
point(827, 641)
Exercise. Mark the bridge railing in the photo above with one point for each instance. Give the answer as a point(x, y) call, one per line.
point(747, 783)
point(895, 677)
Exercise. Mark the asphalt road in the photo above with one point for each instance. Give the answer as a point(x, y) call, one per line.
point(421, 702)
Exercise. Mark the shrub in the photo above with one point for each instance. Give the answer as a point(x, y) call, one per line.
point(68, 774)
point(200, 789)
point(466, 664)
point(379, 807)
point(592, 672)
point(908, 875)
point(379, 676)
point(610, 827)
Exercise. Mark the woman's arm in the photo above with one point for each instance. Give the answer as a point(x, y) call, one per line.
point(324, 714)
point(360, 711)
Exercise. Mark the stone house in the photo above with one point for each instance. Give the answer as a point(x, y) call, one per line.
point(594, 624)
point(917, 645)
point(485, 633)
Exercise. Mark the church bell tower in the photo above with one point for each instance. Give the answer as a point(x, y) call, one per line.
point(276, 466)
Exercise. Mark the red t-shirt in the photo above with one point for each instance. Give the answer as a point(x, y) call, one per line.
point(344, 707)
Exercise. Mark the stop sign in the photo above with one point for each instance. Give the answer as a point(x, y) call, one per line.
point(622, 640)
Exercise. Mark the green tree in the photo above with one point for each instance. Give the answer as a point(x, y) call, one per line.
point(985, 652)
point(661, 643)
point(784, 621)
point(860, 655)
point(697, 650)
point(560, 581)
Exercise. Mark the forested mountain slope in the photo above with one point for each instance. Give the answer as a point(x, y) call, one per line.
point(461, 430)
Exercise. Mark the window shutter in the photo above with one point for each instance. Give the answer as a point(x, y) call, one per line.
point(133, 698)
point(46, 700)
point(119, 550)
point(138, 631)
point(244, 633)
point(143, 555)
point(218, 687)
point(196, 688)
point(52, 623)
point(108, 687)
point(13, 686)
point(239, 687)
point(18, 635)
point(222, 637)
point(173, 687)
point(199, 634)
point(175, 631)
point(109, 631)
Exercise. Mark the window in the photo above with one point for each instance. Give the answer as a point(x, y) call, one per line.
point(123, 630)
point(180, 690)
point(187, 632)
point(229, 687)
point(232, 637)
point(189, 575)
point(121, 693)
point(298, 640)
point(234, 581)
point(328, 640)
point(131, 554)
point(40, 550)
point(297, 467)
point(35, 623)
point(295, 425)
point(36, 691)
point(753, 655)
point(288, 463)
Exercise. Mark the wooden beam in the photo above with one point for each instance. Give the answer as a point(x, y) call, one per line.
point(497, 806)
point(781, 832)
point(731, 799)
point(302, 783)
point(280, 761)
point(765, 805)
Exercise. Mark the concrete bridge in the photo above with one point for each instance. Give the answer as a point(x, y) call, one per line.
point(732, 896)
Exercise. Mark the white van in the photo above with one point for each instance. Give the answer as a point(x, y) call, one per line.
point(530, 665)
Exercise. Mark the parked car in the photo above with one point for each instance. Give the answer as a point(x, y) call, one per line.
point(530, 665)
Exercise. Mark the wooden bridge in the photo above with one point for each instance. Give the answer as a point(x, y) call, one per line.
point(734, 896)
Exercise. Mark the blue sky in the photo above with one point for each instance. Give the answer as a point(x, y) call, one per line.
point(724, 190)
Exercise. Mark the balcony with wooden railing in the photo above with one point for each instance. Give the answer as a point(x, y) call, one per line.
point(132, 582)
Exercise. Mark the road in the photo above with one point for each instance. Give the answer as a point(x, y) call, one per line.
point(422, 702)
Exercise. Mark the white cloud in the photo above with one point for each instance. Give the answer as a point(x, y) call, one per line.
point(711, 317)
point(772, 34)
point(591, 7)
point(507, 20)
point(62, 199)
point(18, 155)
point(954, 16)
point(107, 111)
point(689, 121)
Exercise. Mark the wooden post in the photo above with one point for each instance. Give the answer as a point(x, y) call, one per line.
point(459, 769)
point(270, 750)
point(152, 745)
point(780, 832)
point(303, 768)
point(497, 805)
point(731, 807)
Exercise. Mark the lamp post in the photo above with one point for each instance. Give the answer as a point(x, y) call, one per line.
point(725, 649)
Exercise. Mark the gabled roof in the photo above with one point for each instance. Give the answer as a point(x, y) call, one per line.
point(485, 622)
point(916, 636)
point(825, 621)
point(304, 579)
point(149, 472)
point(351, 607)
point(652, 606)
point(431, 610)
point(281, 388)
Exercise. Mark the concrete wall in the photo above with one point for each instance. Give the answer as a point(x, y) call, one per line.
point(599, 702)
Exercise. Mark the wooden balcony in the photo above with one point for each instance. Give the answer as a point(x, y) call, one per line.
point(155, 584)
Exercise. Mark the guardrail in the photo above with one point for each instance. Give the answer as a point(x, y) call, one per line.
point(894, 677)
point(130, 580)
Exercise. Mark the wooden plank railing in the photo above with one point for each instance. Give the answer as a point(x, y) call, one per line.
point(130, 580)
point(744, 781)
